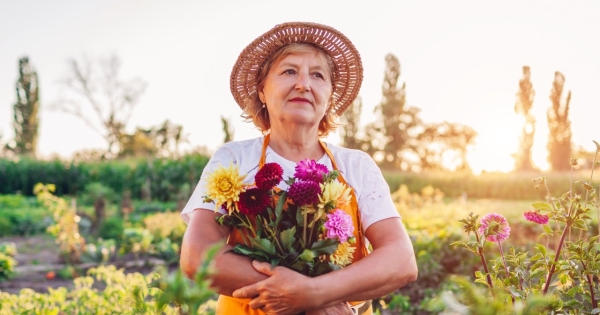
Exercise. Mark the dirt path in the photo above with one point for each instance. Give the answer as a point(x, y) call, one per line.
point(37, 255)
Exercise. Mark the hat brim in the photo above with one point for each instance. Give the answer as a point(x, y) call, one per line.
point(348, 70)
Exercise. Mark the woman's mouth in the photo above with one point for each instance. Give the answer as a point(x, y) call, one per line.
point(300, 100)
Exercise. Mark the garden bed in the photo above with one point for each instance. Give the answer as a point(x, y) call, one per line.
point(39, 266)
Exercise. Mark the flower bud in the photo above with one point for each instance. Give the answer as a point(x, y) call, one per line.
point(352, 240)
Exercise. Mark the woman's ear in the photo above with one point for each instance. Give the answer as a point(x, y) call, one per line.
point(261, 96)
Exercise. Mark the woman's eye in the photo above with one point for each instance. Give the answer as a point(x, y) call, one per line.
point(289, 71)
point(319, 75)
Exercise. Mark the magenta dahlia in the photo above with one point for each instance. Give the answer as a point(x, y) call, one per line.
point(253, 201)
point(269, 176)
point(497, 227)
point(536, 217)
point(310, 170)
point(304, 192)
point(339, 225)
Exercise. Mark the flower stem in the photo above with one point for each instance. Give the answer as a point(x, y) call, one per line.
point(589, 280)
point(304, 227)
point(553, 268)
point(505, 266)
point(485, 267)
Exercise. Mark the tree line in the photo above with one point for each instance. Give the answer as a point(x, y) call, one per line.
point(398, 139)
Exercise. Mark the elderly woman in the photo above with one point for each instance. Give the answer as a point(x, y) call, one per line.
point(292, 83)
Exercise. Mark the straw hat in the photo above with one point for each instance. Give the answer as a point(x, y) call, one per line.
point(348, 71)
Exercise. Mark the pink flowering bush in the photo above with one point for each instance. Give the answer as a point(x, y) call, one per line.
point(547, 280)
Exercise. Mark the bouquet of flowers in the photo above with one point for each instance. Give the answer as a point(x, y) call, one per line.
point(302, 228)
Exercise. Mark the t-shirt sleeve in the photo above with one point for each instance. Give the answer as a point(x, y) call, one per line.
point(374, 200)
point(224, 156)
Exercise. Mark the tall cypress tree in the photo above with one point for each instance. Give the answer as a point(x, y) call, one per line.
point(351, 120)
point(391, 134)
point(559, 138)
point(523, 106)
point(26, 109)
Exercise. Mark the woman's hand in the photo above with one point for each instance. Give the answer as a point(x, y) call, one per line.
point(284, 292)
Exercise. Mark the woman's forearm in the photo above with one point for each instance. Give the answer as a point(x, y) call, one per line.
point(231, 271)
point(390, 266)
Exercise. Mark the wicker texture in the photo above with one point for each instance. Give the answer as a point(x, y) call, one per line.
point(348, 70)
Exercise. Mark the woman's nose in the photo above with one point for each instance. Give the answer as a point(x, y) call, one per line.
point(303, 83)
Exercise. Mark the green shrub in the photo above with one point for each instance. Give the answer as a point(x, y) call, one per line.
point(166, 176)
point(24, 221)
point(101, 252)
point(8, 248)
point(7, 267)
point(111, 228)
point(136, 241)
point(11, 201)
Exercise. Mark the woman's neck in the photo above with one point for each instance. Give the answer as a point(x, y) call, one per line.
point(296, 146)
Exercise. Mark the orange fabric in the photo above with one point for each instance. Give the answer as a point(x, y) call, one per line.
point(230, 305)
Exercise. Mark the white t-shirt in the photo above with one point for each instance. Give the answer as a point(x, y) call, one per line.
point(358, 169)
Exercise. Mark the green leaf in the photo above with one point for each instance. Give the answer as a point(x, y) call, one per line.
point(307, 255)
point(251, 252)
point(264, 245)
point(536, 257)
point(547, 230)
point(541, 206)
point(325, 247)
point(596, 310)
point(287, 238)
point(279, 208)
point(299, 266)
point(542, 249)
point(323, 268)
point(299, 217)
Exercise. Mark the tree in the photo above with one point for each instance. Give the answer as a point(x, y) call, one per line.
point(559, 138)
point(227, 129)
point(397, 123)
point(523, 105)
point(162, 140)
point(26, 110)
point(351, 125)
point(443, 146)
point(96, 91)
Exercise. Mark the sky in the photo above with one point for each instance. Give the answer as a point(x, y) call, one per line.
point(461, 62)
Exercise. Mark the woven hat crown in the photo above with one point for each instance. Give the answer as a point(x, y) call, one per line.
point(348, 71)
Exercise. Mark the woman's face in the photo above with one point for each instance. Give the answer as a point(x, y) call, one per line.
point(297, 90)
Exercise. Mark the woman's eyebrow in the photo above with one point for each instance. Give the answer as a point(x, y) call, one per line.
point(295, 65)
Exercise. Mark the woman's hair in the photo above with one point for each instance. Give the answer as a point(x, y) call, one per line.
point(260, 116)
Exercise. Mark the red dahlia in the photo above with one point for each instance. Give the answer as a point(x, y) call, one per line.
point(269, 176)
point(304, 192)
point(253, 201)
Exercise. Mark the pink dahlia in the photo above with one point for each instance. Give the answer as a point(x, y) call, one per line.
point(536, 217)
point(310, 170)
point(269, 176)
point(253, 201)
point(304, 193)
point(496, 226)
point(339, 224)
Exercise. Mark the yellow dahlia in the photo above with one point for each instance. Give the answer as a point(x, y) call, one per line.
point(334, 192)
point(343, 255)
point(225, 185)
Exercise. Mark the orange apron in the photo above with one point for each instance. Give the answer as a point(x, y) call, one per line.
point(229, 305)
